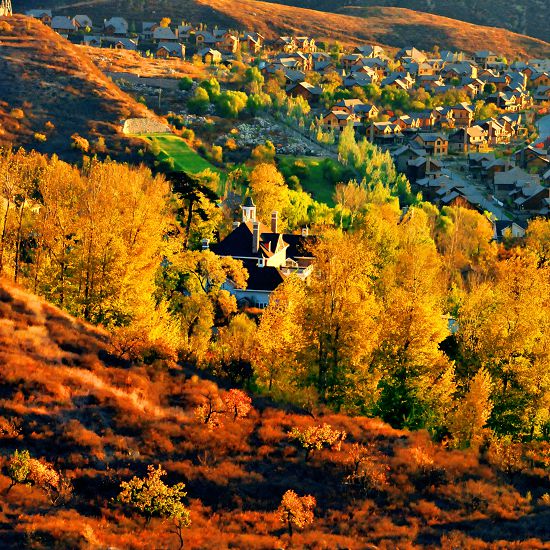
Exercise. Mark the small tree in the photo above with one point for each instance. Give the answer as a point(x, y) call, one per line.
point(367, 470)
point(151, 497)
point(296, 511)
point(210, 412)
point(19, 468)
point(317, 438)
point(23, 469)
point(237, 404)
point(185, 83)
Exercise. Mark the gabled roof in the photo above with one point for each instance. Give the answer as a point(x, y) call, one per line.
point(119, 23)
point(38, 13)
point(171, 48)
point(63, 23)
point(265, 279)
point(82, 21)
point(127, 43)
point(164, 33)
point(429, 137)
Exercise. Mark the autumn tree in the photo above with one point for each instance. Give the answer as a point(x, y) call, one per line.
point(237, 404)
point(210, 411)
point(264, 153)
point(368, 471)
point(537, 239)
point(464, 238)
point(341, 317)
point(280, 339)
point(23, 469)
point(233, 349)
point(504, 326)
point(416, 380)
point(191, 283)
point(473, 411)
point(151, 497)
point(296, 511)
point(350, 197)
point(269, 190)
point(316, 438)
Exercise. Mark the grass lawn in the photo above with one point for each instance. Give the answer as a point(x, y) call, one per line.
point(315, 181)
point(185, 158)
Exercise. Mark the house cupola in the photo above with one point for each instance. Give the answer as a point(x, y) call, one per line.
point(249, 210)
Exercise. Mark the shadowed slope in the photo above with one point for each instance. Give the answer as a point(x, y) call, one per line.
point(45, 81)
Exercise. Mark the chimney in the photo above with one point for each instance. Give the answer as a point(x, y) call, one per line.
point(255, 237)
point(205, 244)
point(274, 222)
point(236, 225)
point(305, 231)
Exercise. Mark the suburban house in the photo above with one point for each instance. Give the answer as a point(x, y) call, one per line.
point(385, 133)
point(505, 183)
point(485, 58)
point(62, 25)
point(210, 56)
point(507, 228)
point(287, 44)
point(434, 144)
point(423, 167)
point(370, 51)
point(91, 40)
point(465, 140)
point(254, 41)
point(226, 41)
point(81, 22)
point(268, 255)
point(337, 121)
point(164, 34)
point(44, 15)
point(533, 159)
point(115, 26)
point(170, 49)
point(405, 153)
point(123, 44)
point(463, 114)
point(308, 91)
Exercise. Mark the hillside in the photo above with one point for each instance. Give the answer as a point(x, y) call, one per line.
point(389, 26)
point(69, 399)
point(530, 17)
point(50, 90)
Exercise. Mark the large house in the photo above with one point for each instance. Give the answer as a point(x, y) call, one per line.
point(268, 255)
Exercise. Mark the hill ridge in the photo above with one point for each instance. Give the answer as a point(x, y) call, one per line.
point(50, 90)
point(395, 27)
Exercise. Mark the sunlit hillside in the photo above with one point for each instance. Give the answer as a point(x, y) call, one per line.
point(68, 398)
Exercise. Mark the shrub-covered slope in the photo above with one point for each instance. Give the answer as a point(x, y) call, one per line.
point(66, 398)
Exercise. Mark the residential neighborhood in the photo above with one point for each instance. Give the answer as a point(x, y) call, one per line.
point(435, 112)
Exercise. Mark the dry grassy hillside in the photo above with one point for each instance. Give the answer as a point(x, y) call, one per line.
point(50, 90)
point(66, 398)
point(387, 26)
point(119, 61)
point(530, 17)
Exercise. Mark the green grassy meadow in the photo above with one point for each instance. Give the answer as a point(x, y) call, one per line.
point(185, 158)
point(315, 179)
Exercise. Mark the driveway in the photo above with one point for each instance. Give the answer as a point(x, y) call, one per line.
point(476, 195)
